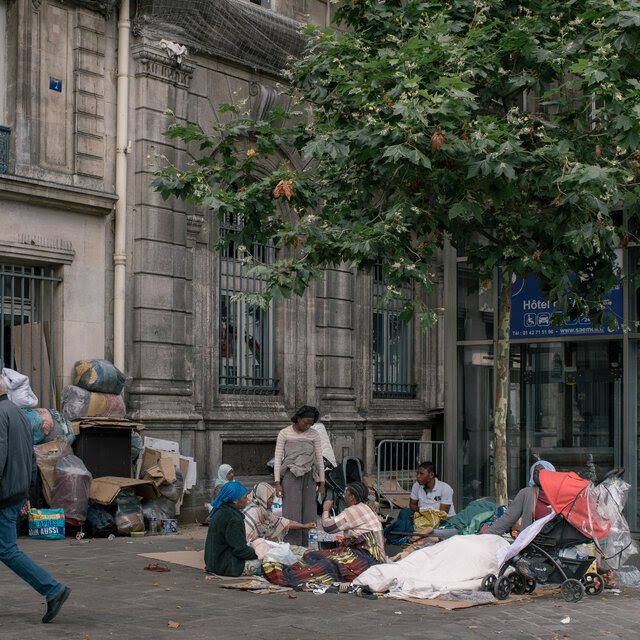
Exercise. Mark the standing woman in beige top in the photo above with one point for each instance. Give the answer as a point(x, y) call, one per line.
point(299, 471)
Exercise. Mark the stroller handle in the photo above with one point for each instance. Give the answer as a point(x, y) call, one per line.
point(614, 473)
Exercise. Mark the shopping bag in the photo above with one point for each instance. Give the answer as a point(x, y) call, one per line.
point(46, 524)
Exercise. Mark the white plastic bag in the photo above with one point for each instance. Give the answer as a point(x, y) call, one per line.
point(280, 552)
point(18, 389)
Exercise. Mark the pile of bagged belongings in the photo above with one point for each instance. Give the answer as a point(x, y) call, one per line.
point(96, 391)
point(47, 423)
point(68, 498)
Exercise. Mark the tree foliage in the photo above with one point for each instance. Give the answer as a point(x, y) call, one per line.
point(515, 122)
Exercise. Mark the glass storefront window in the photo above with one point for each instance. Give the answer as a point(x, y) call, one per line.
point(571, 405)
point(475, 421)
point(475, 305)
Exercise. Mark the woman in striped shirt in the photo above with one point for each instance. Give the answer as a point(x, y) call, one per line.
point(299, 471)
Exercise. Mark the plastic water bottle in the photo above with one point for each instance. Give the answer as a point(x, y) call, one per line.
point(313, 538)
point(153, 525)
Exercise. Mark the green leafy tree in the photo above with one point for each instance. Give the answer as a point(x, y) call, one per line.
point(443, 122)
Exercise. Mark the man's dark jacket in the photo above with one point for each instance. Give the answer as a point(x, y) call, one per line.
point(226, 549)
point(18, 470)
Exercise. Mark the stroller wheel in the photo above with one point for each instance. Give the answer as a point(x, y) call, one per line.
point(530, 585)
point(502, 588)
point(518, 585)
point(488, 582)
point(593, 583)
point(572, 590)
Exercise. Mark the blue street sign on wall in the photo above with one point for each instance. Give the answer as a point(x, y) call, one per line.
point(531, 314)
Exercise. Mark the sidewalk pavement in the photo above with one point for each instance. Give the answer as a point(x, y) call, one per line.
point(114, 597)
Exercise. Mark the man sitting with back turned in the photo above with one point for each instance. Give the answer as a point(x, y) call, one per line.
point(18, 473)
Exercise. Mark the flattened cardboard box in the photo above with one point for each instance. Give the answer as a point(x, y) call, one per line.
point(104, 490)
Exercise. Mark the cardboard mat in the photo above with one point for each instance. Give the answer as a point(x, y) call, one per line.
point(463, 604)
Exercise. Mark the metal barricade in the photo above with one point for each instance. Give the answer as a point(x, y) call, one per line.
point(398, 462)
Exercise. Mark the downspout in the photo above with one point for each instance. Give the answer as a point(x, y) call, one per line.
point(122, 149)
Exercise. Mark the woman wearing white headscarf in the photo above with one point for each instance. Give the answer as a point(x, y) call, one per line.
point(530, 503)
point(225, 474)
point(259, 522)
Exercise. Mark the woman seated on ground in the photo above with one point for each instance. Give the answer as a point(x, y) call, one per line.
point(260, 524)
point(363, 546)
point(225, 474)
point(226, 551)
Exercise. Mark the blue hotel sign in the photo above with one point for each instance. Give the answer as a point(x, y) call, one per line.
point(531, 314)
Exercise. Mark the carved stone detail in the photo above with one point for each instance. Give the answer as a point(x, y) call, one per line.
point(36, 4)
point(156, 64)
point(266, 99)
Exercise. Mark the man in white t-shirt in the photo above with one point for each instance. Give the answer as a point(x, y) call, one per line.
point(430, 493)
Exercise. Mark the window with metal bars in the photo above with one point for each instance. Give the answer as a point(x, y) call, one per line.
point(393, 344)
point(247, 333)
point(27, 310)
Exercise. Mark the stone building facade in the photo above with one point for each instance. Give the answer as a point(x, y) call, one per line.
point(189, 382)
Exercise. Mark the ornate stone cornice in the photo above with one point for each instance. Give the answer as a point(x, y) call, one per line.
point(153, 62)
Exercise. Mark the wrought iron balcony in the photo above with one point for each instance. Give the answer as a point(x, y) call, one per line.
point(5, 132)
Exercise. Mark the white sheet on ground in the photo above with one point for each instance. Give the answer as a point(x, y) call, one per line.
point(456, 564)
point(524, 539)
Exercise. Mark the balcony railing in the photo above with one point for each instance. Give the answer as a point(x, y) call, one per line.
point(5, 132)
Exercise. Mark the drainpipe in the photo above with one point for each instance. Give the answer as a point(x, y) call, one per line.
point(122, 149)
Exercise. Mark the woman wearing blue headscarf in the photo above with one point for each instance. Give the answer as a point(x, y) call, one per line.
point(226, 550)
point(530, 503)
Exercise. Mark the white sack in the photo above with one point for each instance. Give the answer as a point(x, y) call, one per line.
point(18, 389)
point(458, 563)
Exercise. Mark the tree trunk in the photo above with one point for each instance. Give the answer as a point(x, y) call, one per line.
point(502, 393)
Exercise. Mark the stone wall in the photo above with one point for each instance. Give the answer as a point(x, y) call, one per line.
point(57, 199)
point(323, 340)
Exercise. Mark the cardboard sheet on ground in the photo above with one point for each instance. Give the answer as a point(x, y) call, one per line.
point(256, 585)
point(191, 559)
point(457, 604)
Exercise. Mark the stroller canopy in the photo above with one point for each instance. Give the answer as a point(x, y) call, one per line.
point(574, 498)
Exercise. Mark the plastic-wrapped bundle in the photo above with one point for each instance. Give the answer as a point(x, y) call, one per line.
point(161, 509)
point(98, 375)
point(59, 419)
point(99, 523)
point(48, 425)
point(18, 389)
point(129, 517)
point(71, 489)
point(607, 500)
point(78, 403)
point(173, 491)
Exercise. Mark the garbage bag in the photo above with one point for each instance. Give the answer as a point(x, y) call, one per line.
point(173, 491)
point(136, 445)
point(47, 456)
point(18, 389)
point(99, 523)
point(628, 576)
point(98, 375)
point(70, 489)
point(129, 517)
point(78, 403)
point(161, 509)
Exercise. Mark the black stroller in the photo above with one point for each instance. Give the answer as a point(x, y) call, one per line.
point(348, 470)
point(579, 520)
